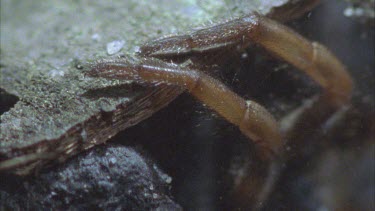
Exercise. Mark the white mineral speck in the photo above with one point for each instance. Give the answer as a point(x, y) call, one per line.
point(84, 135)
point(349, 12)
point(137, 49)
point(168, 180)
point(115, 46)
point(56, 73)
point(112, 160)
point(95, 37)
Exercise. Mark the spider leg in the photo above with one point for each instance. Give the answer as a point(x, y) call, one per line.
point(253, 120)
point(310, 57)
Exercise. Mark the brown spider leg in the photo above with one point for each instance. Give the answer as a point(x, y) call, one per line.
point(310, 57)
point(253, 120)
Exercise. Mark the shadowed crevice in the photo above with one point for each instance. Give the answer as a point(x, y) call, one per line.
point(7, 101)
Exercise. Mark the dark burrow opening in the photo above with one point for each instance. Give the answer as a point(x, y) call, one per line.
point(7, 101)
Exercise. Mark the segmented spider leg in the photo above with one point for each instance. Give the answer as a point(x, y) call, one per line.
point(253, 120)
point(310, 57)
